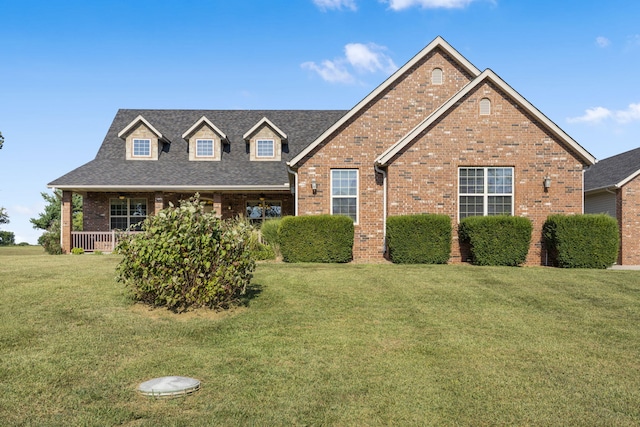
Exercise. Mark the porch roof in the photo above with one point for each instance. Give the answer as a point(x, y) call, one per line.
point(613, 172)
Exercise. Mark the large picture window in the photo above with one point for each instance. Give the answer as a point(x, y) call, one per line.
point(344, 193)
point(259, 210)
point(485, 191)
point(127, 212)
point(141, 147)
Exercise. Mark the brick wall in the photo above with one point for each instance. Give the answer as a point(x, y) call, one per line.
point(377, 126)
point(629, 221)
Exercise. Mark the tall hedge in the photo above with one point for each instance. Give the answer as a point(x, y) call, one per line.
point(419, 239)
point(316, 238)
point(497, 240)
point(582, 241)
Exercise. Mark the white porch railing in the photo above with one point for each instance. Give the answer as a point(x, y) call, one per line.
point(91, 241)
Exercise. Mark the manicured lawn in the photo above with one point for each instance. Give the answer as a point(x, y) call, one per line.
point(324, 345)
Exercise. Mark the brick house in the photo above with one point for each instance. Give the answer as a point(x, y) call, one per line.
point(612, 187)
point(438, 136)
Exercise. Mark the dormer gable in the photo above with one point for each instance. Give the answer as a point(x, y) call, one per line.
point(205, 141)
point(142, 140)
point(265, 141)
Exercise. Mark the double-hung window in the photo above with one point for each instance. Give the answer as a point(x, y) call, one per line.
point(265, 148)
point(485, 191)
point(141, 148)
point(204, 148)
point(344, 193)
point(127, 212)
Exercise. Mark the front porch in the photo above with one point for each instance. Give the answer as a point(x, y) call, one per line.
point(107, 215)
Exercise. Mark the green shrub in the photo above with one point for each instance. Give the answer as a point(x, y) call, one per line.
point(7, 238)
point(50, 239)
point(259, 251)
point(77, 251)
point(581, 241)
point(185, 257)
point(497, 240)
point(97, 252)
point(419, 239)
point(269, 230)
point(316, 238)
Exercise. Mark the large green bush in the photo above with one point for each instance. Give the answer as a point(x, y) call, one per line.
point(50, 239)
point(185, 257)
point(581, 241)
point(419, 239)
point(316, 238)
point(497, 240)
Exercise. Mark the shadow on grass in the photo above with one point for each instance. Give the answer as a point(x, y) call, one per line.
point(253, 291)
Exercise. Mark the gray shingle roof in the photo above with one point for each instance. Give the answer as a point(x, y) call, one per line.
point(173, 168)
point(612, 170)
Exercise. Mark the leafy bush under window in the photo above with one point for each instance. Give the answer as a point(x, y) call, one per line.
point(419, 239)
point(497, 240)
point(316, 238)
point(581, 241)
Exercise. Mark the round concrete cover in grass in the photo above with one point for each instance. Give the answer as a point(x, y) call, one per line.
point(168, 387)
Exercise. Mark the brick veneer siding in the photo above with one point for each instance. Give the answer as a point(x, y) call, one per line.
point(629, 222)
point(372, 130)
point(96, 205)
point(423, 178)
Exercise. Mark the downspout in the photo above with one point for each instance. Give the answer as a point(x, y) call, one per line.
point(384, 206)
point(295, 189)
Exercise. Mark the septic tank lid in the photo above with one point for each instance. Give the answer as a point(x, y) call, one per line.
point(169, 387)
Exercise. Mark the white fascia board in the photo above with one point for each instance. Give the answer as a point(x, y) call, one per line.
point(146, 188)
point(487, 74)
point(197, 124)
point(134, 122)
point(438, 42)
point(627, 179)
point(261, 123)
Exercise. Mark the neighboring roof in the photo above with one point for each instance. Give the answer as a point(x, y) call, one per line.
point(489, 75)
point(613, 172)
point(261, 123)
point(438, 42)
point(173, 171)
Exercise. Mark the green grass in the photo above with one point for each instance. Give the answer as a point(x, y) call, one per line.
point(324, 345)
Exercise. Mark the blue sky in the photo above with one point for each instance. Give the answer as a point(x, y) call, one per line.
point(66, 67)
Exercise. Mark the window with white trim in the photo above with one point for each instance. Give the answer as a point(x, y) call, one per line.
point(436, 76)
point(141, 147)
point(265, 148)
point(127, 212)
point(485, 191)
point(204, 147)
point(344, 193)
point(259, 210)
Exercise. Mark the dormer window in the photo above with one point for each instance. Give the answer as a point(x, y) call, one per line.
point(265, 141)
point(204, 148)
point(141, 147)
point(265, 148)
point(205, 141)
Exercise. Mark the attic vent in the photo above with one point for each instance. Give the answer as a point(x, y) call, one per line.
point(485, 107)
point(436, 76)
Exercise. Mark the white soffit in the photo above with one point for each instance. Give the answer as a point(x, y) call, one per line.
point(262, 123)
point(197, 124)
point(133, 123)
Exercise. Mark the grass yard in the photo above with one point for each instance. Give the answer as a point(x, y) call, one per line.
point(324, 345)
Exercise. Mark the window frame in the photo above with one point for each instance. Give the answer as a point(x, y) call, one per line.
point(139, 140)
point(485, 194)
point(355, 196)
point(128, 215)
point(213, 148)
point(272, 141)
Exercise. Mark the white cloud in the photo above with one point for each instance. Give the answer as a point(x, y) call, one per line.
point(603, 41)
point(369, 58)
point(335, 4)
point(331, 71)
point(598, 114)
point(428, 4)
point(359, 58)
